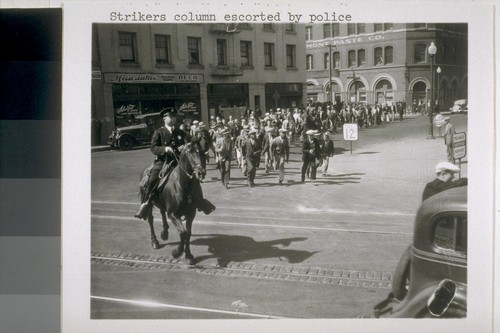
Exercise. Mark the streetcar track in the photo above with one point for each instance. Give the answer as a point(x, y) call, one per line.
point(303, 274)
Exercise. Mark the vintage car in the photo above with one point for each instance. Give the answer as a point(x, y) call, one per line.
point(432, 272)
point(459, 106)
point(138, 133)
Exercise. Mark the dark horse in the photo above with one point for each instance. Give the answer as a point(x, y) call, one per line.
point(178, 199)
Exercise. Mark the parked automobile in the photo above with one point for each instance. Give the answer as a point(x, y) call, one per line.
point(459, 106)
point(138, 133)
point(433, 270)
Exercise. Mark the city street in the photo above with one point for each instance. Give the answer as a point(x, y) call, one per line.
point(299, 250)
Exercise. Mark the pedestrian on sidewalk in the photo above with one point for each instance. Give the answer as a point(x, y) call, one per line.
point(445, 173)
point(281, 153)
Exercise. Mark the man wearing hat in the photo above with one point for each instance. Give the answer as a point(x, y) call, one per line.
point(281, 153)
point(311, 155)
point(266, 148)
point(445, 173)
point(449, 130)
point(252, 155)
point(205, 140)
point(327, 151)
point(224, 149)
point(165, 145)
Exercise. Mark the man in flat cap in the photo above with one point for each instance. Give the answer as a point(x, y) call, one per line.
point(445, 173)
point(252, 155)
point(311, 155)
point(281, 153)
point(224, 149)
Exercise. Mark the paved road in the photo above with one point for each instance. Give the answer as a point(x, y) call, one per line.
point(315, 250)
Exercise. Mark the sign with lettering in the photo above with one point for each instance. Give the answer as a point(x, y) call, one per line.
point(345, 41)
point(152, 78)
point(459, 145)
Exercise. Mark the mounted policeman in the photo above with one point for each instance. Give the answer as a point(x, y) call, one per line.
point(166, 144)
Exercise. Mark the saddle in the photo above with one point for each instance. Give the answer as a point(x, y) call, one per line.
point(163, 176)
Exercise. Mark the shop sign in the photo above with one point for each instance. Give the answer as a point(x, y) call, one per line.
point(459, 145)
point(345, 41)
point(152, 78)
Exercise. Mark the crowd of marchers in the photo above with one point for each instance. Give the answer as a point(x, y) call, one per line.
point(255, 139)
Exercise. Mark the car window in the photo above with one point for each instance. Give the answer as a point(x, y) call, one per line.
point(450, 234)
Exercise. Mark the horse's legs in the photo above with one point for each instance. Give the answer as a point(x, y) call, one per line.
point(154, 241)
point(187, 248)
point(182, 233)
point(164, 233)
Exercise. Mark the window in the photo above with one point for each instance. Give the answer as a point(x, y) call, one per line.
point(451, 234)
point(351, 58)
point(388, 55)
point(419, 53)
point(361, 28)
point(221, 52)
point(378, 58)
point(289, 27)
point(309, 62)
point(378, 27)
point(246, 53)
point(309, 33)
point(361, 58)
point(162, 47)
point(388, 26)
point(127, 47)
point(351, 28)
point(268, 27)
point(336, 59)
point(327, 31)
point(335, 29)
point(194, 50)
point(268, 54)
point(290, 56)
point(326, 60)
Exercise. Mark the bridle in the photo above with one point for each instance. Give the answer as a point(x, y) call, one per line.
point(196, 167)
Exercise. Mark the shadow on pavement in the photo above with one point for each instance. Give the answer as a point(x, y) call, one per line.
point(233, 248)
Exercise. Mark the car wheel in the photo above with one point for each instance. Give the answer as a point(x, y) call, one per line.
point(401, 280)
point(126, 142)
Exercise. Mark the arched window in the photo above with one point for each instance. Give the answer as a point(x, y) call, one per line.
point(309, 62)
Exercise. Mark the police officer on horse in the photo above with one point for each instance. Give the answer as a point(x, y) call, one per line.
point(165, 145)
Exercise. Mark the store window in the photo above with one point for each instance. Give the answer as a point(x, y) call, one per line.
point(290, 56)
point(127, 47)
point(246, 53)
point(269, 54)
point(162, 48)
point(194, 46)
point(221, 52)
point(357, 92)
point(419, 52)
point(309, 62)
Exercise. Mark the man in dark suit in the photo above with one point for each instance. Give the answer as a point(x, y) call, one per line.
point(252, 156)
point(449, 130)
point(311, 155)
point(224, 149)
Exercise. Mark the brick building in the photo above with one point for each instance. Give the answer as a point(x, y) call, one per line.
point(385, 62)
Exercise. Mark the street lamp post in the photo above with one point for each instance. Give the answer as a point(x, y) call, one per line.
point(438, 98)
point(330, 67)
point(432, 52)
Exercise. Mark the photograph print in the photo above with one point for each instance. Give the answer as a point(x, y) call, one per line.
point(279, 170)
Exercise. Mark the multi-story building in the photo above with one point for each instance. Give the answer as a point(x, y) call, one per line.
point(385, 62)
point(198, 69)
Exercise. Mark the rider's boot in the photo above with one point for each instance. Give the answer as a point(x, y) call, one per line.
point(142, 212)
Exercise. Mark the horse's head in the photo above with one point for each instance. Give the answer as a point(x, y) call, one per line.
point(190, 156)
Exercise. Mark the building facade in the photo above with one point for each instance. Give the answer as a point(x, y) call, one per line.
point(386, 63)
point(198, 69)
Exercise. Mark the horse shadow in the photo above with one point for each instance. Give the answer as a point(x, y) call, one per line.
point(236, 248)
